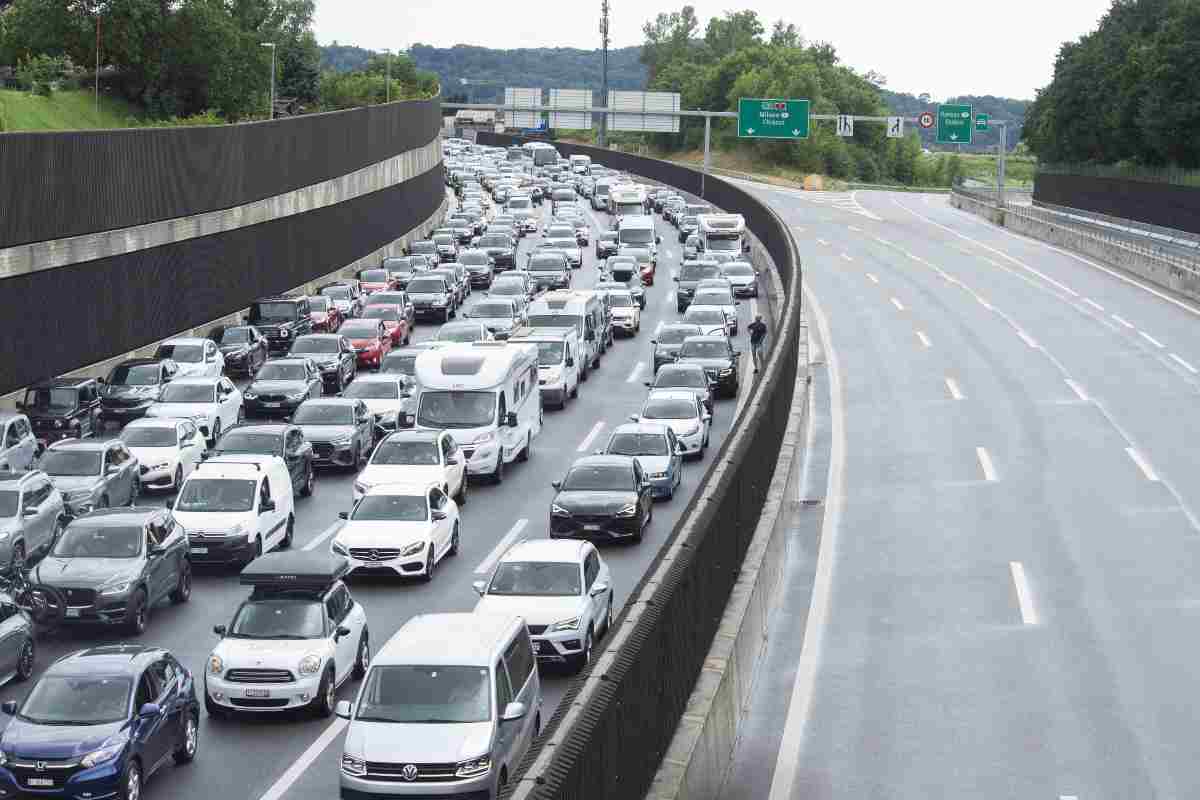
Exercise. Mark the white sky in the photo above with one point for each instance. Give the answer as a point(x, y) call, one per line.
point(944, 47)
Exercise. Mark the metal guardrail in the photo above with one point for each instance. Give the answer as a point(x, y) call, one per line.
point(1172, 236)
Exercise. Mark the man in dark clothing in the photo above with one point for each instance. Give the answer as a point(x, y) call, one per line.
point(758, 341)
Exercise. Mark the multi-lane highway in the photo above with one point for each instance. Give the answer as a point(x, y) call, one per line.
point(295, 756)
point(1005, 597)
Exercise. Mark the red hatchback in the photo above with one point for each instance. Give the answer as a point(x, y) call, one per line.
point(370, 340)
point(647, 273)
point(393, 319)
point(376, 280)
point(325, 316)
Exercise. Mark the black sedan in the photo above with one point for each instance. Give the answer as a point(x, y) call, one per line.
point(718, 358)
point(286, 441)
point(670, 339)
point(333, 355)
point(602, 498)
point(281, 386)
point(244, 348)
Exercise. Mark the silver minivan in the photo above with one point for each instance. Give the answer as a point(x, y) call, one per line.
point(449, 706)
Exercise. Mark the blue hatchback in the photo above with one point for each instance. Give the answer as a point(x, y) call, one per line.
point(98, 724)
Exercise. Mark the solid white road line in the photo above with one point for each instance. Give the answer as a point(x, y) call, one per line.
point(787, 761)
point(591, 437)
point(1077, 389)
point(924, 339)
point(306, 759)
point(635, 372)
point(985, 463)
point(1029, 340)
point(873, 278)
point(899, 306)
point(952, 387)
point(883, 241)
point(325, 534)
point(1124, 322)
point(846, 256)
point(1185, 364)
point(1143, 464)
point(1093, 304)
point(1024, 595)
point(1152, 340)
point(501, 547)
point(753, 308)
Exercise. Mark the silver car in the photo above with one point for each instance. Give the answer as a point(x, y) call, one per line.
point(31, 515)
point(18, 445)
point(92, 474)
point(17, 649)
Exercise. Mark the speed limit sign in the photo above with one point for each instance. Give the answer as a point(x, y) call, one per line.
point(926, 119)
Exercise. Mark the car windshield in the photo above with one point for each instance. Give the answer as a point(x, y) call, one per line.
point(406, 453)
point(481, 309)
point(373, 275)
point(555, 321)
point(561, 233)
point(189, 393)
point(456, 409)
point(337, 292)
point(81, 540)
point(704, 350)
point(729, 243)
point(539, 578)
point(77, 700)
point(636, 236)
point(148, 436)
point(135, 375)
point(668, 408)
point(315, 344)
point(418, 694)
point(710, 315)
point(282, 372)
point(216, 494)
point(273, 312)
point(405, 364)
point(620, 300)
point(676, 335)
point(321, 303)
point(51, 399)
point(65, 463)
point(637, 444)
point(518, 203)
point(324, 414)
point(427, 286)
point(711, 298)
point(698, 272)
point(474, 258)
point(550, 354)
point(681, 379)
point(508, 287)
point(625, 263)
point(599, 478)
point(423, 247)
point(386, 313)
point(359, 329)
point(608, 236)
point(8, 503)
point(235, 336)
point(459, 333)
point(391, 508)
point(183, 353)
point(372, 390)
point(544, 264)
point(282, 618)
point(263, 444)
point(494, 241)
point(443, 240)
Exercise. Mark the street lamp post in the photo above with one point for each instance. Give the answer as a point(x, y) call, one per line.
point(271, 97)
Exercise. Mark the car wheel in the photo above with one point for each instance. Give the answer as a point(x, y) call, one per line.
point(289, 533)
point(527, 450)
point(575, 391)
point(131, 782)
point(183, 589)
point(408, 334)
point(216, 430)
point(430, 566)
point(453, 551)
point(258, 549)
point(177, 481)
point(326, 699)
point(309, 479)
point(585, 656)
point(25, 661)
point(136, 614)
point(363, 659)
point(190, 741)
point(608, 614)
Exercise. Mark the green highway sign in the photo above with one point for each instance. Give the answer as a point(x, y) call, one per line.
point(760, 118)
point(981, 121)
point(954, 124)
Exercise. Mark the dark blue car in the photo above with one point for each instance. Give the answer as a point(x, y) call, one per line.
point(98, 724)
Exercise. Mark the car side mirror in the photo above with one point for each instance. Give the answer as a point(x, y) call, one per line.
point(343, 709)
point(220, 630)
point(268, 505)
point(675, 278)
point(511, 419)
point(149, 710)
point(556, 484)
point(343, 515)
point(599, 589)
point(9, 707)
point(30, 511)
point(513, 712)
point(480, 587)
point(647, 384)
point(112, 469)
point(341, 632)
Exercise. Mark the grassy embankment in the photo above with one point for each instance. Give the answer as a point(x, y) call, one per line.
point(62, 111)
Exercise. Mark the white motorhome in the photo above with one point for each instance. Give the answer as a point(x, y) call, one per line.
point(721, 233)
point(486, 395)
point(582, 310)
point(540, 153)
point(628, 200)
point(638, 231)
point(581, 164)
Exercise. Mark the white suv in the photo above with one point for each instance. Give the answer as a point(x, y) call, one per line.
point(564, 591)
point(416, 456)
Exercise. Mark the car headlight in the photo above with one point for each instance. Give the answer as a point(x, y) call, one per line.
point(441, 301)
point(412, 548)
point(4, 535)
point(485, 437)
point(559, 511)
point(113, 589)
point(339, 548)
point(215, 665)
point(726, 371)
point(352, 765)
point(249, 396)
point(58, 423)
point(475, 767)
point(627, 510)
point(310, 664)
point(285, 333)
point(103, 755)
point(341, 441)
point(159, 465)
point(238, 529)
point(571, 624)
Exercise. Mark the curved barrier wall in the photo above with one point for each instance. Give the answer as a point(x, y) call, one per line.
point(91, 308)
point(614, 726)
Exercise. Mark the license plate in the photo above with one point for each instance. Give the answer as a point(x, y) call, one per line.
point(40, 782)
point(200, 551)
point(272, 405)
point(73, 612)
point(260, 693)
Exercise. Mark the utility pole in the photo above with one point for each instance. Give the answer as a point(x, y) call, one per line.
point(604, 72)
point(271, 97)
point(97, 60)
point(389, 74)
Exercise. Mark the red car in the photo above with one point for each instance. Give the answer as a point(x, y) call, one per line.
point(325, 316)
point(370, 340)
point(647, 273)
point(376, 280)
point(393, 319)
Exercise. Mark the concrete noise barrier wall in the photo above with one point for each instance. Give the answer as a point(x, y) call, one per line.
point(612, 730)
point(1163, 204)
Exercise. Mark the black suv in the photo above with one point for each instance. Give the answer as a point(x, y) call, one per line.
point(281, 319)
point(62, 408)
point(286, 441)
point(133, 386)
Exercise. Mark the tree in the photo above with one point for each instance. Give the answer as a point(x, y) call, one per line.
point(737, 30)
point(785, 35)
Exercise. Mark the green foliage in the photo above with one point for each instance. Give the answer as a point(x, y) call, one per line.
point(68, 109)
point(1125, 92)
point(368, 84)
point(42, 75)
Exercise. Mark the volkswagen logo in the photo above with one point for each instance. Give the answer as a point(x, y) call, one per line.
point(40, 766)
point(409, 772)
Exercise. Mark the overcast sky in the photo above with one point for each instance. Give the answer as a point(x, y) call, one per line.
point(944, 47)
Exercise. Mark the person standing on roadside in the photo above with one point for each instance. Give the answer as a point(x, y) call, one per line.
point(758, 341)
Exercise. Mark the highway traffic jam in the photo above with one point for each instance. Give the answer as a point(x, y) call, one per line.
point(396, 514)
